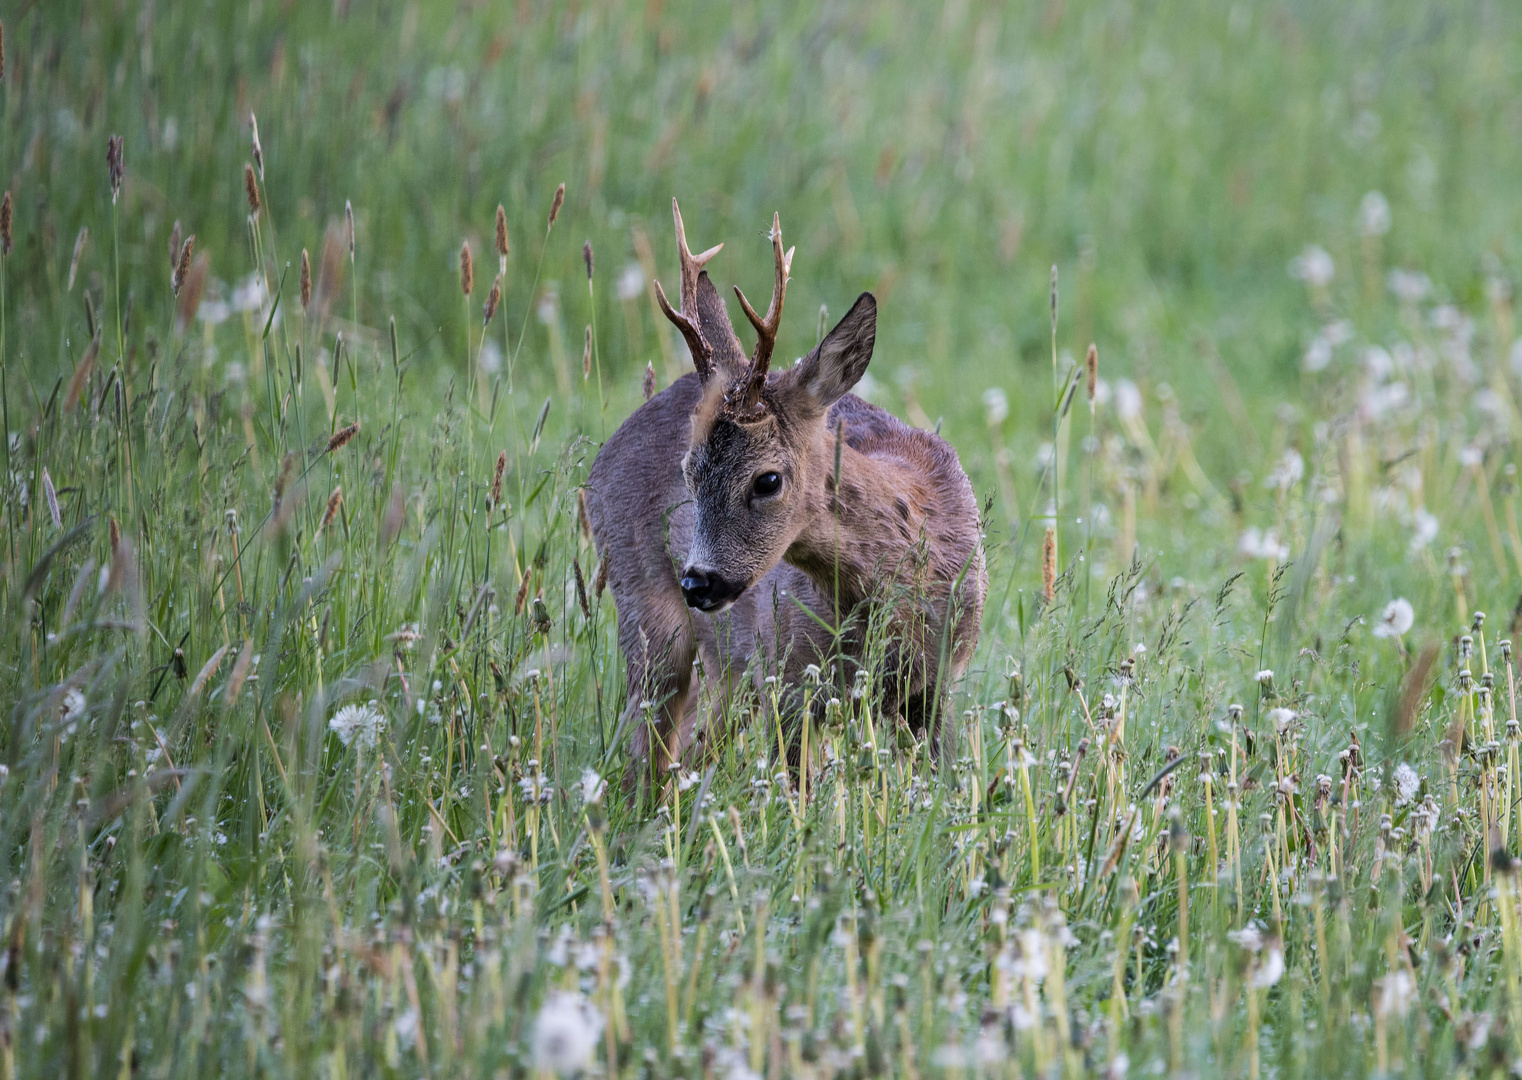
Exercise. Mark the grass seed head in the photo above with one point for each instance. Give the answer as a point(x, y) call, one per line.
point(349, 227)
point(586, 355)
point(192, 283)
point(335, 501)
point(467, 269)
point(257, 149)
point(586, 257)
point(82, 374)
point(555, 206)
point(648, 385)
point(251, 189)
point(495, 498)
point(182, 271)
point(79, 248)
point(5, 224)
point(176, 237)
point(1049, 565)
point(1091, 366)
point(306, 280)
point(116, 166)
point(503, 247)
point(342, 436)
point(493, 298)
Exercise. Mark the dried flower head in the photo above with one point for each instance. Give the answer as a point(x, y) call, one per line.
point(586, 257)
point(5, 224)
point(357, 725)
point(495, 498)
point(183, 269)
point(555, 206)
point(467, 269)
point(116, 166)
point(342, 436)
point(1054, 298)
point(335, 501)
point(251, 189)
point(493, 298)
point(648, 386)
point(79, 249)
point(258, 150)
point(306, 279)
point(1049, 565)
point(503, 247)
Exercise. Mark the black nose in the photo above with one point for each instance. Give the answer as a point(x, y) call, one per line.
point(695, 586)
point(706, 591)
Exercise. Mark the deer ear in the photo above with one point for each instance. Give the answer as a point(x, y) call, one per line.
point(839, 361)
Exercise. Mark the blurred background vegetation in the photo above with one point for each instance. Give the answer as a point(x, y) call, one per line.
point(1289, 227)
point(1169, 160)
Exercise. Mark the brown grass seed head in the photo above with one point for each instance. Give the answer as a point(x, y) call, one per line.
point(493, 298)
point(555, 206)
point(116, 166)
point(1091, 364)
point(503, 247)
point(586, 257)
point(495, 498)
point(251, 189)
point(342, 436)
point(1049, 565)
point(306, 279)
point(183, 269)
point(467, 269)
point(5, 224)
point(335, 500)
point(648, 385)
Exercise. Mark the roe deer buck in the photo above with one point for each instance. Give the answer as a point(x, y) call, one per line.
point(738, 497)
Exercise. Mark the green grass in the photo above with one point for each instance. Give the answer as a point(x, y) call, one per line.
point(198, 876)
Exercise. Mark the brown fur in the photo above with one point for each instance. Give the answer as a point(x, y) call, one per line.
point(899, 540)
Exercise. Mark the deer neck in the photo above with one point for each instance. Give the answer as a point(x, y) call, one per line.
point(864, 535)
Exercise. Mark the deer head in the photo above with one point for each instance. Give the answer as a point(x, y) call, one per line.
point(761, 451)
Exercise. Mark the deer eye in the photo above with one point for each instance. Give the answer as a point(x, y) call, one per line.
point(768, 483)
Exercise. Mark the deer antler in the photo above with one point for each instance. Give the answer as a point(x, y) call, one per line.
point(766, 329)
point(686, 320)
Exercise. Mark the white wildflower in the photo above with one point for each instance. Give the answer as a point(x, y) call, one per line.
point(1409, 286)
point(1407, 784)
point(1396, 620)
point(1288, 472)
point(591, 787)
point(1374, 214)
point(73, 705)
point(1312, 266)
point(631, 282)
point(995, 406)
point(1128, 400)
point(1424, 530)
point(1271, 970)
point(566, 1033)
point(1265, 677)
point(1395, 993)
point(359, 725)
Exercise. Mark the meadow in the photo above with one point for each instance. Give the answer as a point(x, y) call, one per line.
point(308, 764)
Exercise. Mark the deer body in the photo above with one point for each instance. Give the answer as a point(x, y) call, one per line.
point(725, 538)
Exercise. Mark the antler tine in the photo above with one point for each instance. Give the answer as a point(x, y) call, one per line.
point(766, 328)
point(686, 320)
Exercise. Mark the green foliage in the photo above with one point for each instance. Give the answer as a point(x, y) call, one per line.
point(306, 721)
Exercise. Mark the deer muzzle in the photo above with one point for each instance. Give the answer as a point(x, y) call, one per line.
point(707, 591)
